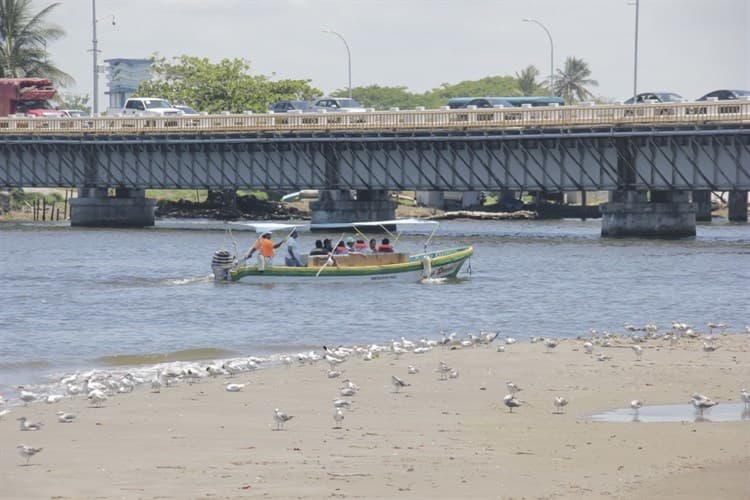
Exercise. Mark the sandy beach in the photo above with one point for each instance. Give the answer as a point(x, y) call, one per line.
point(435, 438)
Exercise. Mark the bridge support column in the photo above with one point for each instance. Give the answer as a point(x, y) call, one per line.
point(338, 206)
point(737, 206)
point(702, 202)
point(95, 208)
point(667, 214)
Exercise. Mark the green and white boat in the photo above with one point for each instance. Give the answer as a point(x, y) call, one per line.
point(357, 267)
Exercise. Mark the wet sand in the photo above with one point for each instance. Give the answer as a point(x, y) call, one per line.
point(434, 439)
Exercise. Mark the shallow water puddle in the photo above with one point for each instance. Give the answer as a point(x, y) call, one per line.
point(723, 412)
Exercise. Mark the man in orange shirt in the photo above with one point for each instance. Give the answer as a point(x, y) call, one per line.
point(265, 247)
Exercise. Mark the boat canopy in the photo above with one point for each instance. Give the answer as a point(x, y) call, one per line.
point(377, 223)
point(262, 227)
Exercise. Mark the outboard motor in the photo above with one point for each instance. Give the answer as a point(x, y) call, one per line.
point(221, 264)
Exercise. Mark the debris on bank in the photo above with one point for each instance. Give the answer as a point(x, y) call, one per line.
point(478, 215)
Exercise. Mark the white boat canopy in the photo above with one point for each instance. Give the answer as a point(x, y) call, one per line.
point(263, 227)
point(377, 223)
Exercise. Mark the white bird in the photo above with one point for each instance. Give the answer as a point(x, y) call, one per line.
point(65, 418)
point(453, 373)
point(25, 425)
point(3, 413)
point(234, 387)
point(351, 385)
point(550, 344)
point(334, 373)
point(347, 391)
point(636, 405)
point(638, 350)
point(603, 357)
point(560, 403)
point(338, 417)
point(512, 388)
point(341, 403)
point(156, 385)
point(27, 397)
point(703, 404)
point(398, 383)
point(54, 398)
point(511, 402)
point(412, 370)
point(27, 451)
point(710, 347)
point(97, 398)
point(281, 418)
point(444, 370)
point(745, 397)
point(588, 347)
point(333, 360)
point(510, 340)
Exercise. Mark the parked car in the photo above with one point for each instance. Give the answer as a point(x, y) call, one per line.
point(287, 106)
point(645, 97)
point(75, 113)
point(338, 104)
point(723, 95)
point(186, 110)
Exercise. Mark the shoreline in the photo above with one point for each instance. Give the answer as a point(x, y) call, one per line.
point(433, 439)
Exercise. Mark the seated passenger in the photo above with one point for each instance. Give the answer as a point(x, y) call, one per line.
point(385, 246)
point(341, 249)
point(373, 245)
point(350, 244)
point(327, 245)
point(360, 246)
point(318, 250)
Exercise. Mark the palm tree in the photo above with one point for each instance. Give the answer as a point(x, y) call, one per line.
point(571, 82)
point(527, 80)
point(23, 42)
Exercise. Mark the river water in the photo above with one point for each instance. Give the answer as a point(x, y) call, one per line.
point(73, 298)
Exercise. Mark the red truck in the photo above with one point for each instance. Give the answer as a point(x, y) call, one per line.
point(27, 96)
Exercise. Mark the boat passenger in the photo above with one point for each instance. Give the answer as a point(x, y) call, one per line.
point(341, 249)
point(350, 244)
point(373, 245)
point(385, 246)
point(265, 247)
point(292, 258)
point(318, 250)
point(360, 246)
point(328, 245)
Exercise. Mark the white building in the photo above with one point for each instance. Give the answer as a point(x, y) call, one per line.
point(124, 76)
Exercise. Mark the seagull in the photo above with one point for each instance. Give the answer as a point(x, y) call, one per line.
point(333, 360)
point(334, 373)
point(3, 413)
point(638, 350)
point(65, 418)
point(347, 391)
point(588, 347)
point(27, 451)
point(703, 404)
point(560, 403)
point(413, 370)
point(603, 357)
point(341, 403)
point(745, 397)
point(711, 325)
point(54, 398)
point(512, 388)
point(351, 385)
point(234, 387)
point(27, 397)
point(25, 425)
point(710, 347)
point(550, 344)
point(281, 418)
point(636, 405)
point(511, 402)
point(97, 398)
point(398, 383)
point(443, 369)
point(338, 417)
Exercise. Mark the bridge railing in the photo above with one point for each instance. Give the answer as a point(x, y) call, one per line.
point(443, 119)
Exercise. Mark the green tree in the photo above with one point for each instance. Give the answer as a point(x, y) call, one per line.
point(73, 101)
point(223, 86)
point(384, 98)
point(527, 83)
point(571, 82)
point(489, 86)
point(24, 35)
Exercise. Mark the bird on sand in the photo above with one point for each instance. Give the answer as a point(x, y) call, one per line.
point(413, 370)
point(27, 451)
point(3, 413)
point(710, 347)
point(281, 418)
point(27, 397)
point(97, 398)
point(398, 383)
point(25, 425)
point(638, 350)
point(702, 403)
point(511, 402)
point(65, 418)
point(444, 370)
point(588, 347)
point(338, 417)
point(341, 403)
point(550, 344)
point(234, 387)
point(745, 397)
point(636, 405)
point(512, 388)
point(560, 404)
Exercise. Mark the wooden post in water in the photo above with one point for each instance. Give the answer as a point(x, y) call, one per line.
point(44, 209)
point(65, 206)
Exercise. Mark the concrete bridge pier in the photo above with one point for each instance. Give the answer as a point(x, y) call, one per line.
point(663, 214)
point(128, 208)
point(737, 206)
point(702, 202)
point(338, 206)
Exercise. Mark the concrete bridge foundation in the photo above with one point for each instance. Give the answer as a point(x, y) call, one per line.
point(702, 203)
point(664, 214)
point(737, 206)
point(128, 208)
point(340, 207)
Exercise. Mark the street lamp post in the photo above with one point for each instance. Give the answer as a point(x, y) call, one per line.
point(348, 55)
point(635, 53)
point(95, 54)
point(551, 51)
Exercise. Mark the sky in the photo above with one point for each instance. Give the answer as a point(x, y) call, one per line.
point(685, 46)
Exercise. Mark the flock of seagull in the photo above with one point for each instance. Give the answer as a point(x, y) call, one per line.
point(99, 386)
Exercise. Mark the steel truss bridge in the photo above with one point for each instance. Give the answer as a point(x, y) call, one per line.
point(649, 147)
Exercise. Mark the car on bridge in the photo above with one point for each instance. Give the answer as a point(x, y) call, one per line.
point(337, 105)
point(286, 106)
point(724, 95)
point(648, 97)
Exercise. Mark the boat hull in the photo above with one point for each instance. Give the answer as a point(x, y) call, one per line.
point(438, 264)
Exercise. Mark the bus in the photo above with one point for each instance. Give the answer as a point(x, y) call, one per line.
point(505, 102)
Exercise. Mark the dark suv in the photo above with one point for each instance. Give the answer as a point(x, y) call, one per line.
point(725, 95)
point(287, 106)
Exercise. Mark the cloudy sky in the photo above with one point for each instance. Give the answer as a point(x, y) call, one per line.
point(685, 46)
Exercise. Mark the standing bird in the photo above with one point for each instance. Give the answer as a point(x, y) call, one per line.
point(27, 397)
point(550, 344)
point(710, 347)
point(25, 425)
point(27, 451)
point(638, 350)
point(65, 418)
point(745, 397)
point(234, 387)
point(511, 402)
point(702, 403)
point(398, 383)
point(588, 347)
point(560, 403)
point(338, 417)
point(281, 418)
point(512, 388)
point(636, 405)
point(413, 370)
point(97, 398)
